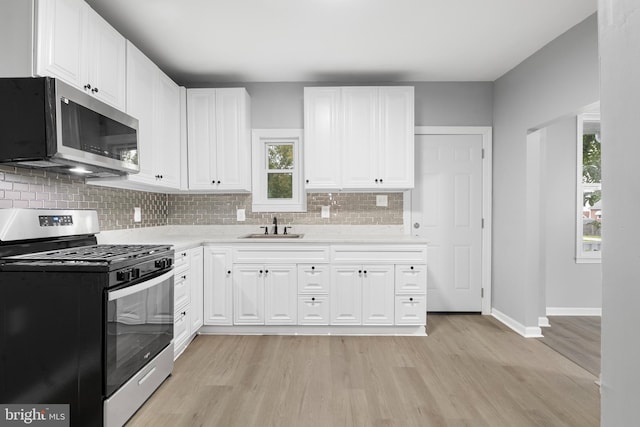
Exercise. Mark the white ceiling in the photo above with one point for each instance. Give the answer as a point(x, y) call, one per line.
point(217, 41)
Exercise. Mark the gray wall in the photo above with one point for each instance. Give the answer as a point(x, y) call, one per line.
point(558, 79)
point(567, 284)
point(280, 105)
point(16, 38)
point(620, 110)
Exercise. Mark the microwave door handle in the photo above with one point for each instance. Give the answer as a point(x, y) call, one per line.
point(140, 286)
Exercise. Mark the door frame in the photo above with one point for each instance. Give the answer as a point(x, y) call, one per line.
point(487, 144)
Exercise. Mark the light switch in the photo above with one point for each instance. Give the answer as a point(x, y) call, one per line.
point(137, 214)
point(325, 212)
point(240, 216)
point(382, 200)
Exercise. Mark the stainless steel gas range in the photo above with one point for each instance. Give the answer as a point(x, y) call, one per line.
point(80, 323)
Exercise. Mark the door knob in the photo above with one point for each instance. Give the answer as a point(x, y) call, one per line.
point(416, 225)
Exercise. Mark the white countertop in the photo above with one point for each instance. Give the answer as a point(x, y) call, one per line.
point(185, 237)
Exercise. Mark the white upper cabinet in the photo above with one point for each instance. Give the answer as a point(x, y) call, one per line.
point(76, 45)
point(153, 99)
point(361, 124)
point(397, 137)
point(219, 139)
point(166, 136)
point(322, 137)
point(359, 138)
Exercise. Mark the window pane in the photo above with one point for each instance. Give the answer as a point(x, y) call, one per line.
point(280, 156)
point(279, 186)
point(591, 187)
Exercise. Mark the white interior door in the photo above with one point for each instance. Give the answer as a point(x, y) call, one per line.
point(447, 211)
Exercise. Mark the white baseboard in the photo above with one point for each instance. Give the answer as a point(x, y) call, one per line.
point(525, 331)
point(574, 311)
point(543, 322)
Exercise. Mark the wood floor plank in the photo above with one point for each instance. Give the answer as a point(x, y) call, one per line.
point(577, 338)
point(470, 371)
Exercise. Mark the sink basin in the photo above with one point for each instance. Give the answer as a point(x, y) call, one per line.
point(271, 236)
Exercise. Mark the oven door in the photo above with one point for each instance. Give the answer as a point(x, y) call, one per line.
point(139, 325)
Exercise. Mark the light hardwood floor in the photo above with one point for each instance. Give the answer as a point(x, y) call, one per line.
point(470, 371)
point(575, 337)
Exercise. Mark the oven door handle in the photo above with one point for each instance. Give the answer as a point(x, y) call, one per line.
point(140, 286)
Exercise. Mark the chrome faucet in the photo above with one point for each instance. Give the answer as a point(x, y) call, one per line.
point(275, 225)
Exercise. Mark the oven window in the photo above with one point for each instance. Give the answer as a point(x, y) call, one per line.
point(139, 326)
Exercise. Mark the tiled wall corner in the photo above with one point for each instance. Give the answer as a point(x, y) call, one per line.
point(34, 188)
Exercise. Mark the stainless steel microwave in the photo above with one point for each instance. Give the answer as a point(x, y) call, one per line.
point(47, 124)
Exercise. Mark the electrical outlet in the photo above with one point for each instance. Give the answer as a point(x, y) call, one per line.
point(325, 212)
point(137, 214)
point(240, 215)
point(382, 200)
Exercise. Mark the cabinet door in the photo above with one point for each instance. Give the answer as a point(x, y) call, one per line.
point(360, 137)
point(396, 160)
point(62, 39)
point(233, 140)
point(217, 286)
point(140, 104)
point(106, 61)
point(248, 294)
point(166, 155)
point(201, 137)
point(281, 295)
point(322, 138)
point(196, 270)
point(378, 295)
point(346, 295)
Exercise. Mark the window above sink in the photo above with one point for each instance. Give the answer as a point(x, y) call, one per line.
point(277, 171)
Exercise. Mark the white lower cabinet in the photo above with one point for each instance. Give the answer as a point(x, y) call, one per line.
point(180, 331)
point(264, 294)
point(362, 294)
point(248, 294)
point(280, 295)
point(330, 288)
point(187, 294)
point(218, 286)
point(411, 310)
point(313, 294)
point(377, 295)
point(411, 294)
point(313, 310)
point(346, 295)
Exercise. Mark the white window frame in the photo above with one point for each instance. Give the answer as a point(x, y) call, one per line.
point(260, 138)
point(582, 257)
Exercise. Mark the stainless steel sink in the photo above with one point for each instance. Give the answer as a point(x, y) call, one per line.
point(271, 236)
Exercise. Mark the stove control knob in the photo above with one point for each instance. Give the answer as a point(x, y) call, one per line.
point(124, 275)
point(164, 263)
point(135, 273)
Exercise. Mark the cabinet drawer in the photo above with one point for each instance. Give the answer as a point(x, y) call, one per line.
point(264, 254)
point(313, 278)
point(180, 328)
point(182, 259)
point(379, 253)
point(411, 279)
point(181, 289)
point(313, 310)
point(411, 310)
